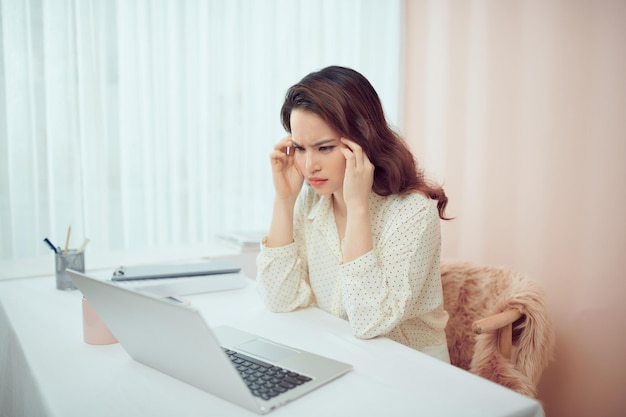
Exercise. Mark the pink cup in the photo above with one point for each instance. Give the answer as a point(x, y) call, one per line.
point(95, 332)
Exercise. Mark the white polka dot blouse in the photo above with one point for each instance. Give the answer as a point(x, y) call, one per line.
point(394, 290)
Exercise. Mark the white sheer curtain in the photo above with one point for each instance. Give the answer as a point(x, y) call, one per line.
point(149, 123)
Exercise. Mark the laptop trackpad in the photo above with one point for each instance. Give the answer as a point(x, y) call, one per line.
point(267, 350)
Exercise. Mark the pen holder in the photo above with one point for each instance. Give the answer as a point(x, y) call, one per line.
point(73, 260)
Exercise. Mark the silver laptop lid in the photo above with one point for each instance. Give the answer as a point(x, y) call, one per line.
point(176, 340)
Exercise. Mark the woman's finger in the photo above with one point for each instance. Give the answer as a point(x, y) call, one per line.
point(357, 155)
point(285, 146)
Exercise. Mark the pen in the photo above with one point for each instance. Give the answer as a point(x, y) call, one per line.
point(50, 244)
point(67, 239)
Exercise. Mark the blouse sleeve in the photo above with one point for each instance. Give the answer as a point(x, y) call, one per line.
point(399, 279)
point(282, 277)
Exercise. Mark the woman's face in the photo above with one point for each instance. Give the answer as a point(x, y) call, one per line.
point(317, 152)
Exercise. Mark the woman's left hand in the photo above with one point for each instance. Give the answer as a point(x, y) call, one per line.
point(359, 176)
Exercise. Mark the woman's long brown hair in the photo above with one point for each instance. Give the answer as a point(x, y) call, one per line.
point(346, 100)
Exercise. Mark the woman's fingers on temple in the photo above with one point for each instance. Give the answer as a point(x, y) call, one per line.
point(354, 151)
point(276, 153)
point(347, 153)
point(349, 143)
point(278, 156)
point(348, 149)
point(284, 144)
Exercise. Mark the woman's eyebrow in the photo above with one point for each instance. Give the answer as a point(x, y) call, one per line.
point(316, 144)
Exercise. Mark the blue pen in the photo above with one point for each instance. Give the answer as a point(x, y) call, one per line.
point(50, 244)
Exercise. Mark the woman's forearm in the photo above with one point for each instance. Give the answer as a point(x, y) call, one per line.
point(358, 238)
point(281, 226)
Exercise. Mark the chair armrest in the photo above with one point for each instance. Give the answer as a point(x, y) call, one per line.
point(503, 323)
point(496, 321)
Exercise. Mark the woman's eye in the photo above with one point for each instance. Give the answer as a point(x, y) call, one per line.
point(298, 148)
point(326, 148)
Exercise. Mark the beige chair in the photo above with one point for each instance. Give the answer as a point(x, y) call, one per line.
point(499, 327)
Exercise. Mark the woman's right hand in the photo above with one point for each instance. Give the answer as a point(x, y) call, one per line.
point(287, 178)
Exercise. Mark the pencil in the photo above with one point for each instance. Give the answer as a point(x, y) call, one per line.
point(67, 240)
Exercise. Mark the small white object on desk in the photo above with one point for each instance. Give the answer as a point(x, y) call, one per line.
point(243, 241)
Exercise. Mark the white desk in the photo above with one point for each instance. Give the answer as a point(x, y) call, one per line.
point(47, 370)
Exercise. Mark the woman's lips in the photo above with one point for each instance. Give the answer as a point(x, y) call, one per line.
point(316, 182)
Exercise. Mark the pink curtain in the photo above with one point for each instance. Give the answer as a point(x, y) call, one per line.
point(519, 108)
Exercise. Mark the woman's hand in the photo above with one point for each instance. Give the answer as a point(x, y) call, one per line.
point(359, 176)
point(287, 178)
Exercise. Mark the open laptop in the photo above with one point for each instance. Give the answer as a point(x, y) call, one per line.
point(176, 340)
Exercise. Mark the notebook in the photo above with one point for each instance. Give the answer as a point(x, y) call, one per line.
point(175, 339)
point(174, 270)
point(189, 285)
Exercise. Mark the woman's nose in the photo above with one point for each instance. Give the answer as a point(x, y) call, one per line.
point(310, 162)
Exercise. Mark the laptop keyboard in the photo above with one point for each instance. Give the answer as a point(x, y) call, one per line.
point(263, 379)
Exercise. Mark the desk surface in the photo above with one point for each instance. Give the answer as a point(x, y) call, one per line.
point(47, 370)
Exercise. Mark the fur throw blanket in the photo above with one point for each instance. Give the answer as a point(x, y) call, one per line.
point(472, 292)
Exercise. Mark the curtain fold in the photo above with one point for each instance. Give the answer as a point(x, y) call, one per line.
point(149, 123)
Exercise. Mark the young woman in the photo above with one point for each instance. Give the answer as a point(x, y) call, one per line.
point(361, 240)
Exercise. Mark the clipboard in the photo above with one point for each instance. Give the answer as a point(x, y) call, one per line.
point(213, 267)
